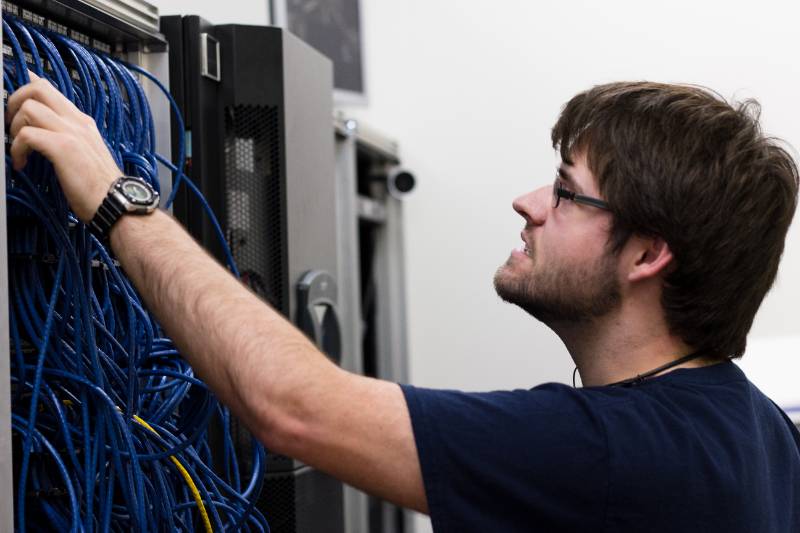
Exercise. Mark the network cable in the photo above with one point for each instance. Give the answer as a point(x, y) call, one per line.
point(113, 430)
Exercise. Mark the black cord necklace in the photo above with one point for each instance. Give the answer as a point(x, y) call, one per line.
point(641, 377)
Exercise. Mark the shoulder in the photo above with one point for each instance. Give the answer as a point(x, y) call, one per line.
point(544, 400)
point(538, 417)
point(546, 449)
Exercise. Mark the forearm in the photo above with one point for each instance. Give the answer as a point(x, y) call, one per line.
point(252, 358)
point(290, 395)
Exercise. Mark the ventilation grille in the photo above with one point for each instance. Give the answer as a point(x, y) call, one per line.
point(302, 501)
point(254, 198)
point(278, 499)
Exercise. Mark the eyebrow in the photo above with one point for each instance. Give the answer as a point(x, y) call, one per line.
point(564, 174)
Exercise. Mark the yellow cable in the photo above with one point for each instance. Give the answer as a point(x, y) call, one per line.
point(187, 477)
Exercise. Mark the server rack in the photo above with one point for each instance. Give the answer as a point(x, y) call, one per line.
point(372, 283)
point(368, 234)
point(129, 30)
point(257, 103)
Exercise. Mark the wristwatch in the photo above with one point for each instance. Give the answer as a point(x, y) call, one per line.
point(127, 196)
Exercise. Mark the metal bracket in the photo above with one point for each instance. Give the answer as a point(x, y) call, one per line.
point(209, 57)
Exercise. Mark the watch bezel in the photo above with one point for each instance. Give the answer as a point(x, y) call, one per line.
point(131, 205)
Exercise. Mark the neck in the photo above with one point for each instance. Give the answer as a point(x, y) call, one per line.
point(615, 348)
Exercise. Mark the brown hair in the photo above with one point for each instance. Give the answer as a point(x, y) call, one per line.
point(681, 163)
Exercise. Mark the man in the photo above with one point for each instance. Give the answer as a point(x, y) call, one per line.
point(648, 257)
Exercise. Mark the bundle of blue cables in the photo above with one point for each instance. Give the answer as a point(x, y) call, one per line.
point(112, 430)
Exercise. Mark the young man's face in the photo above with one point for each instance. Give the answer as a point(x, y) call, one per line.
point(563, 272)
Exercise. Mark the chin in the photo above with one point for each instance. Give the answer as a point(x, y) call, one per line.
point(510, 283)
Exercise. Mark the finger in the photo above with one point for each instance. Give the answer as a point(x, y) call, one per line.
point(42, 91)
point(31, 139)
point(32, 77)
point(35, 113)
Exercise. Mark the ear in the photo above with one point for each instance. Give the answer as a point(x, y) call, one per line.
point(650, 257)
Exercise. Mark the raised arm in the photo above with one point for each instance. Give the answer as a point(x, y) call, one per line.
point(288, 393)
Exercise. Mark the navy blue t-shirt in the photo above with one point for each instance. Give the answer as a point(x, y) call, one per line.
point(693, 450)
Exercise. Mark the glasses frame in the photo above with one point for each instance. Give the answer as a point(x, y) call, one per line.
point(560, 192)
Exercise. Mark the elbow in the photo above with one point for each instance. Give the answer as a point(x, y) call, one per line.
point(291, 420)
point(283, 435)
point(270, 420)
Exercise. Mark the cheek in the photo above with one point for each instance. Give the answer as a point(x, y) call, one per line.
point(570, 247)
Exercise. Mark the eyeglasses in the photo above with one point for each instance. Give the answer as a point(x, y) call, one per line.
point(560, 192)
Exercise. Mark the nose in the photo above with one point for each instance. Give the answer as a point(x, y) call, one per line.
point(533, 206)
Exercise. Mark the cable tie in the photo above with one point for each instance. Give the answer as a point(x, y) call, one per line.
point(55, 492)
point(96, 263)
point(49, 259)
point(76, 450)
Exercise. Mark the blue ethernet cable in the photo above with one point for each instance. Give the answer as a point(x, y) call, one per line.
point(90, 365)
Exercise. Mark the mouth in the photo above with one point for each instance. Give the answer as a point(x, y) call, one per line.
point(524, 249)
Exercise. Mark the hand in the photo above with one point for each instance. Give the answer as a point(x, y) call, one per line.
point(43, 120)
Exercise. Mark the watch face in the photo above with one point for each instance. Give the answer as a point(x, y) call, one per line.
point(137, 192)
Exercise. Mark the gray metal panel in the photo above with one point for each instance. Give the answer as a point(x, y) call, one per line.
point(157, 64)
point(309, 160)
point(388, 263)
point(135, 12)
point(371, 210)
point(378, 144)
point(348, 255)
point(391, 295)
point(6, 461)
point(356, 503)
point(392, 363)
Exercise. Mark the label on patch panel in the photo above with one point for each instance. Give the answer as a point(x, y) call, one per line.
point(80, 37)
point(33, 18)
point(57, 28)
point(8, 7)
point(100, 45)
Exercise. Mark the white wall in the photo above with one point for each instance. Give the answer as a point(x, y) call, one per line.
point(470, 90)
point(219, 12)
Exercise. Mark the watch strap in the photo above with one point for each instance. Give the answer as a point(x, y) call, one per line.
point(107, 214)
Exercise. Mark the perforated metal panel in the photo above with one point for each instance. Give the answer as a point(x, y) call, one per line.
point(277, 502)
point(296, 502)
point(254, 197)
point(262, 151)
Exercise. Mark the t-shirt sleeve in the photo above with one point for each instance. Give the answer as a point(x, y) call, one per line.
point(510, 461)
